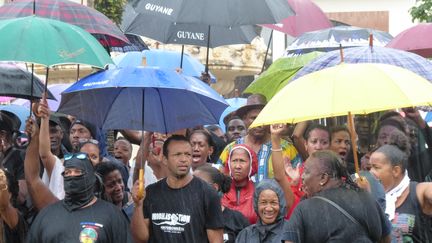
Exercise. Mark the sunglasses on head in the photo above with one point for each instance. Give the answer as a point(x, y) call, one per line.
point(80, 156)
point(88, 140)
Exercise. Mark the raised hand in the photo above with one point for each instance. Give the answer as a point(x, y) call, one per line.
point(135, 195)
point(5, 195)
point(277, 129)
point(293, 173)
point(31, 128)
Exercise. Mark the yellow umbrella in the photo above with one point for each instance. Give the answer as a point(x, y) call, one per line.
point(344, 90)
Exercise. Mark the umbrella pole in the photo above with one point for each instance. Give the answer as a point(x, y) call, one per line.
point(141, 170)
point(78, 67)
point(181, 57)
point(208, 49)
point(46, 81)
point(353, 141)
point(266, 54)
point(31, 89)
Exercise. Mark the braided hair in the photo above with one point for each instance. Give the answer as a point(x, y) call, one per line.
point(332, 165)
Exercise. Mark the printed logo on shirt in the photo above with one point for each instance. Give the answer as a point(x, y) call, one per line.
point(403, 225)
point(89, 232)
point(171, 222)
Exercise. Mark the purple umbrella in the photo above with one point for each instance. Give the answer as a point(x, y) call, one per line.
point(56, 90)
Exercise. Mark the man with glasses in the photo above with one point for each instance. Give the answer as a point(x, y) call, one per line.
point(86, 218)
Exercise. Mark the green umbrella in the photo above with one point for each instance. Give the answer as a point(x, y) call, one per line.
point(279, 74)
point(49, 42)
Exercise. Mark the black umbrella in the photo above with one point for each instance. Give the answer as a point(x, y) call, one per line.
point(168, 32)
point(217, 12)
point(16, 82)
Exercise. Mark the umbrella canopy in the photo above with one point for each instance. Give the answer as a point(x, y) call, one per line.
point(21, 112)
point(366, 54)
point(355, 88)
point(70, 12)
point(140, 98)
point(16, 82)
point(331, 38)
point(234, 104)
point(415, 39)
point(222, 12)
point(136, 44)
point(164, 59)
point(308, 17)
point(279, 74)
point(169, 32)
point(54, 89)
point(49, 42)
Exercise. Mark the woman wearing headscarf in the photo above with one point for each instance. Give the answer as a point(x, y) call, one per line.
point(234, 221)
point(335, 210)
point(270, 206)
point(408, 203)
point(242, 164)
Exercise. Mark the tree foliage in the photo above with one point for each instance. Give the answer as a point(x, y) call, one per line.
point(113, 9)
point(422, 11)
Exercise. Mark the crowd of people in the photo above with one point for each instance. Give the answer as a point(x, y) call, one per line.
point(261, 184)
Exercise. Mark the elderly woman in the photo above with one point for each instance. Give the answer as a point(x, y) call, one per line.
point(234, 221)
point(270, 205)
point(408, 203)
point(242, 164)
point(335, 208)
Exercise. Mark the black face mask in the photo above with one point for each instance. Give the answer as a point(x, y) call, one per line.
point(78, 191)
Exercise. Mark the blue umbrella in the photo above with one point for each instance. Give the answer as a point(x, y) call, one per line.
point(234, 104)
point(164, 59)
point(148, 98)
point(21, 112)
point(366, 54)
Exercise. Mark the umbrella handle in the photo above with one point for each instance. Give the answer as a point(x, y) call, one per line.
point(140, 193)
point(353, 135)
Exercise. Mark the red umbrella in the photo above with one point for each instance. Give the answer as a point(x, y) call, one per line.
point(70, 12)
point(309, 17)
point(416, 39)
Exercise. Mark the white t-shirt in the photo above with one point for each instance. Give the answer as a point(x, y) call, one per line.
point(149, 176)
point(55, 183)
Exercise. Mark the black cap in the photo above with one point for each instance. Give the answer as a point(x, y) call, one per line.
point(92, 128)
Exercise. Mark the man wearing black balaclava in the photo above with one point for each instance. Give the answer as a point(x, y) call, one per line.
point(80, 216)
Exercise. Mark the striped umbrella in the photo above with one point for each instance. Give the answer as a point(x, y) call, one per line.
point(376, 54)
point(70, 12)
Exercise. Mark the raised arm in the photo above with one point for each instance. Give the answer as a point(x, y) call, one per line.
point(424, 195)
point(142, 154)
point(8, 213)
point(140, 226)
point(132, 135)
point(47, 157)
point(39, 192)
point(298, 139)
point(278, 163)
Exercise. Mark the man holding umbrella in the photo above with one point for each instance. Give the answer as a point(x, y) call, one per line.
point(179, 208)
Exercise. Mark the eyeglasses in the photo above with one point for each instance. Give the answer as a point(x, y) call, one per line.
point(80, 156)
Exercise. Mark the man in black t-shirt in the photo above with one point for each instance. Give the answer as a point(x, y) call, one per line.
point(80, 216)
point(179, 208)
